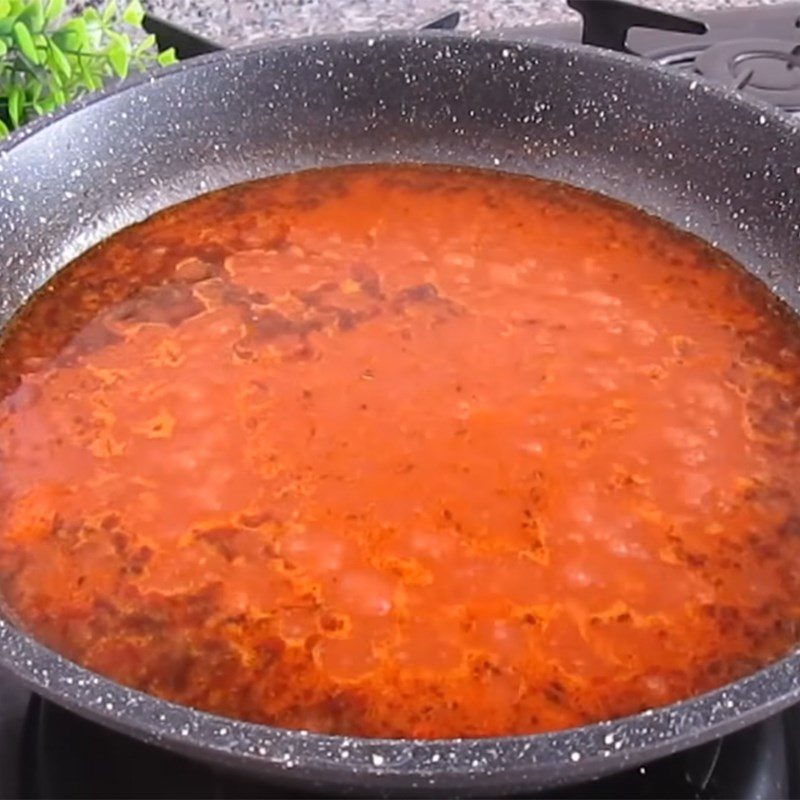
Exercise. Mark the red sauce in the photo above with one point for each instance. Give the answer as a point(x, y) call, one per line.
point(404, 451)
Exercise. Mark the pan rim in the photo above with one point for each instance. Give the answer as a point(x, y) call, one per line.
point(30, 129)
point(543, 759)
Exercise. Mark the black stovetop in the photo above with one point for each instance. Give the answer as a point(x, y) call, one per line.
point(48, 752)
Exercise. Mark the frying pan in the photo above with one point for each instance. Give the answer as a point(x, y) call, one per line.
point(698, 156)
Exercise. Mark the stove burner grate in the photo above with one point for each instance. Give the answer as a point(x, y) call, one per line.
point(768, 69)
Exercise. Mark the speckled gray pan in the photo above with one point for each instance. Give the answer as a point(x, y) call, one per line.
point(703, 159)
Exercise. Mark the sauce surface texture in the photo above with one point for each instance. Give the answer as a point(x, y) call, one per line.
point(404, 451)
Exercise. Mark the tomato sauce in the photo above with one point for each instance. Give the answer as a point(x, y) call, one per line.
point(404, 451)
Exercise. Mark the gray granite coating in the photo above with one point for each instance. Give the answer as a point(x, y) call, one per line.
point(233, 22)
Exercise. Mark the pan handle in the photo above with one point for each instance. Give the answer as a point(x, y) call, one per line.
point(445, 22)
point(186, 43)
point(606, 22)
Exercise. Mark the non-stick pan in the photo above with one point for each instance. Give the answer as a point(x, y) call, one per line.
point(698, 156)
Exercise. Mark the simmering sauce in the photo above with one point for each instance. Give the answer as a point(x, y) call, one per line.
point(404, 451)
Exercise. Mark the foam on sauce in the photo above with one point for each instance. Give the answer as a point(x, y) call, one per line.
point(404, 451)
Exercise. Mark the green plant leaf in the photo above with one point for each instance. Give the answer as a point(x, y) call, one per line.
point(119, 58)
point(134, 13)
point(59, 60)
point(55, 8)
point(90, 80)
point(167, 57)
point(73, 35)
point(16, 101)
point(3, 48)
point(47, 105)
point(33, 16)
point(5, 8)
point(109, 12)
point(4, 131)
point(122, 38)
point(24, 41)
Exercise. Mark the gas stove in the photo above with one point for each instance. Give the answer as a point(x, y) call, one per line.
point(756, 50)
point(46, 751)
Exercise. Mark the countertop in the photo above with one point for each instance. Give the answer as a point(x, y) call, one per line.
point(233, 22)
